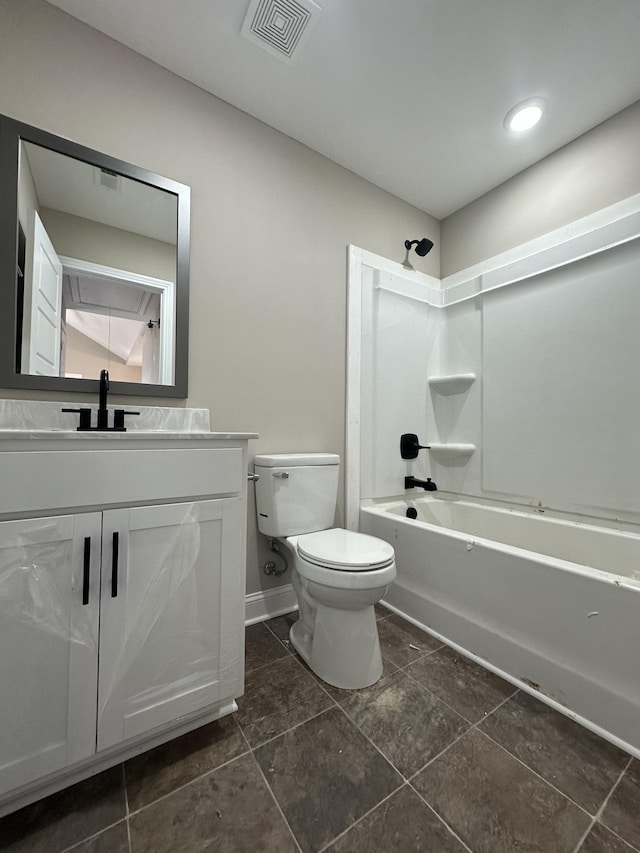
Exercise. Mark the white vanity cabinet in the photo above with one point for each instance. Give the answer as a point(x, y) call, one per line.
point(160, 620)
point(121, 616)
point(48, 646)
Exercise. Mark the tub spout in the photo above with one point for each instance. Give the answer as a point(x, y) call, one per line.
point(428, 485)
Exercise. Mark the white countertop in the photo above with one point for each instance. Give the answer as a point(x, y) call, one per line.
point(129, 435)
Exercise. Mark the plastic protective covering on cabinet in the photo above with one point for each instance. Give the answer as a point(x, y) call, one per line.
point(170, 645)
point(36, 584)
point(164, 640)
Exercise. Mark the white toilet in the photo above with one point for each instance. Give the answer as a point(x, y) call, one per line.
point(338, 575)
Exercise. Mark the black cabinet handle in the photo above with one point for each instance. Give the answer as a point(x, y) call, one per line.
point(114, 565)
point(86, 570)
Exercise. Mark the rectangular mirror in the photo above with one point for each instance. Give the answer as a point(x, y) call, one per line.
point(94, 254)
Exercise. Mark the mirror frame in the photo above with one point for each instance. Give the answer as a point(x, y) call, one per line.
point(12, 132)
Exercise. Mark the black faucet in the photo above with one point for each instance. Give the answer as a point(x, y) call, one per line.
point(103, 414)
point(428, 485)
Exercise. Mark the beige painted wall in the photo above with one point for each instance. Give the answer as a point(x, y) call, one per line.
point(27, 195)
point(91, 241)
point(271, 221)
point(595, 170)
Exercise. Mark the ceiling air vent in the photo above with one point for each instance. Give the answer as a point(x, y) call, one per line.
point(107, 179)
point(280, 26)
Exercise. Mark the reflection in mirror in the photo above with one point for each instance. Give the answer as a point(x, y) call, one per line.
point(99, 271)
point(94, 269)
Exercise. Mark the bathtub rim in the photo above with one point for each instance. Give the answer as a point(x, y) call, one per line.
point(505, 504)
point(377, 506)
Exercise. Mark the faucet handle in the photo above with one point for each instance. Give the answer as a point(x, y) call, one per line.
point(410, 446)
point(118, 419)
point(85, 418)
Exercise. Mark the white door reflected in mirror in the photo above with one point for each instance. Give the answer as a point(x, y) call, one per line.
point(42, 303)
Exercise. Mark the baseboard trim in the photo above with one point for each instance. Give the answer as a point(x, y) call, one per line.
point(269, 603)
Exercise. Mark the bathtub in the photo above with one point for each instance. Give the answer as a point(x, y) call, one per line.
point(552, 604)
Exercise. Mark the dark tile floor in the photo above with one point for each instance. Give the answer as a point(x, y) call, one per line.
point(440, 755)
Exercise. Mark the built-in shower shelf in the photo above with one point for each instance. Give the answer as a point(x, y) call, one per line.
point(452, 449)
point(453, 383)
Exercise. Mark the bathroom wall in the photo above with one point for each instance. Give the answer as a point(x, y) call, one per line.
point(81, 238)
point(271, 222)
point(596, 170)
point(27, 195)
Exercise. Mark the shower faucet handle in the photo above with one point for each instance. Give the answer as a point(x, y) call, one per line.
point(410, 446)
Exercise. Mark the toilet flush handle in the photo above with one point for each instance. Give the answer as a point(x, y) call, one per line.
point(281, 475)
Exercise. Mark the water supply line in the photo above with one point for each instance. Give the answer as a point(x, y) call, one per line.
point(270, 567)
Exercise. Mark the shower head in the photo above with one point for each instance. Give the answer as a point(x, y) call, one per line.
point(423, 247)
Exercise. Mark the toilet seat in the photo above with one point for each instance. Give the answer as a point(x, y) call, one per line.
point(371, 561)
point(342, 550)
point(344, 579)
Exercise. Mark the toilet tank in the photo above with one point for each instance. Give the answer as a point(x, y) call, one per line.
point(296, 492)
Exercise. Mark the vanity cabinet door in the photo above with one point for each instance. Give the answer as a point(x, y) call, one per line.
point(164, 570)
point(49, 607)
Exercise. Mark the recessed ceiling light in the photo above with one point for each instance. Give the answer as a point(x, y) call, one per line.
point(525, 115)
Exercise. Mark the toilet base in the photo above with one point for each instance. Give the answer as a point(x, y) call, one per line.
point(344, 649)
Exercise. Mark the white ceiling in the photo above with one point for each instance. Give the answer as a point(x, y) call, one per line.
point(409, 94)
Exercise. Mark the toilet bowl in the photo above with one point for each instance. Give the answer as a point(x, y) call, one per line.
point(337, 634)
point(338, 575)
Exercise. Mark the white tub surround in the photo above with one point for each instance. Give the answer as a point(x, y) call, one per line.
point(518, 372)
point(452, 384)
point(122, 566)
point(551, 603)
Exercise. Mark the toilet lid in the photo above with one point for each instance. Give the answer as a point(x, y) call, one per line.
point(345, 550)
